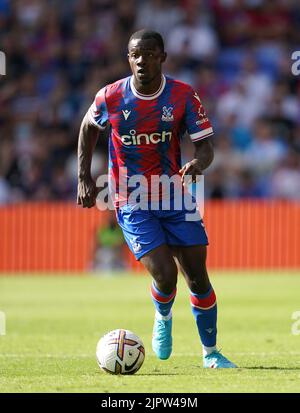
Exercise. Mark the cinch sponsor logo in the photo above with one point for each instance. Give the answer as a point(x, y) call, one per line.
point(145, 138)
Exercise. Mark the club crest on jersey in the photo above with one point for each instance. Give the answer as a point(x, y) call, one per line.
point(167, 115)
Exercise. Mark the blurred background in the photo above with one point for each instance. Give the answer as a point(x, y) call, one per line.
point(237, 56)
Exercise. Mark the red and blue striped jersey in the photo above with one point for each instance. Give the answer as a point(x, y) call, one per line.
point(146, 130)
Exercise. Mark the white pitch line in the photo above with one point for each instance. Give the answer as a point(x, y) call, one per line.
point(62, 356)
point(84, 355)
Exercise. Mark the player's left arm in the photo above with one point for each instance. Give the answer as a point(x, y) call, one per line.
point(203, 157)
point(200, 129)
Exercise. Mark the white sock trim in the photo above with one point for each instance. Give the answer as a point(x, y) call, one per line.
point(158, 316)
point(208, 350)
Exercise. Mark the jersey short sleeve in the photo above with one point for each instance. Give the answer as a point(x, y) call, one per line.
point(98, 113)
point(197, 123)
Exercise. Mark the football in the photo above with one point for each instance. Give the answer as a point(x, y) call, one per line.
point(120, 352)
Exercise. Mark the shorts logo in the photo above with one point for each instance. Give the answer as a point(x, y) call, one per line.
point(167, 115)
point(135, 245)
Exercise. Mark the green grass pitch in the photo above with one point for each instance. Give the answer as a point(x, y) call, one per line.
point(53, 325)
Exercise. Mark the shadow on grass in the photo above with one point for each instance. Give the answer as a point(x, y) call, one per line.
point(157, 373)
point(160, 373)
point(271, 368)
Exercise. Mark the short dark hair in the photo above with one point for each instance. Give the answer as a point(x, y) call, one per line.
point(145, 34)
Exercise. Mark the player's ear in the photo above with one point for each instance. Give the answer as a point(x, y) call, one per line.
point(163, 57)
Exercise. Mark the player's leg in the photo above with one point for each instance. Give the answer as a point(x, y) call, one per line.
point(192, 260)
point(146, 239)
point(186, 234)
point(161, 265)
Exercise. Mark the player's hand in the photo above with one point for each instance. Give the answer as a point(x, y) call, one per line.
point(87, 192)
point(190, 172)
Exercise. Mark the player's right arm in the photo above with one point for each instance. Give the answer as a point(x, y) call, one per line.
point(86, 191)
point(92, 126)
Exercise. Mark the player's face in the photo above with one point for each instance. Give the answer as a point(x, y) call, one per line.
point(145, 59)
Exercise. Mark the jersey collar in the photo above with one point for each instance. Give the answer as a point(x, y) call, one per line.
point(148, 97)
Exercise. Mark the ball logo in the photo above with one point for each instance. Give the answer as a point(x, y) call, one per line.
point(145, 138)
point(131, 366)
point(2, 64)
point(296, 64)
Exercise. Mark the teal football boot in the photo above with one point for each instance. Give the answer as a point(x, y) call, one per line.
point(216, 360)
point(162, 338)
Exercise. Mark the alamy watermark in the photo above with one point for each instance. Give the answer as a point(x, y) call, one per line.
point(296, 65)
point(296, 325)
point(2, 63)
point(2, 323)
point(157, 192)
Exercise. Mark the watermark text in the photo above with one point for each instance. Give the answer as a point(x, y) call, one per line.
point(296, 64)
point(2, 63)
point(156, 192)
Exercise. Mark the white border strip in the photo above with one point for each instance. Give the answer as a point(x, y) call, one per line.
point(202, 134)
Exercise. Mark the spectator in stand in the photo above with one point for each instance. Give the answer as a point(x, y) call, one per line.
point(266, 149)
point(193, 41)
point(159, 15)
point(235, 53)
point(286, 178)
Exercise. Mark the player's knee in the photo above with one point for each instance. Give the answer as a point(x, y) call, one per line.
point(199, 285)
point(166, 279)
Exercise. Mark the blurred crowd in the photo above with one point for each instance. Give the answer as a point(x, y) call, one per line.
point(235, 53)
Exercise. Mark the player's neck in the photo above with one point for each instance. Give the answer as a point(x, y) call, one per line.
point(149, 88)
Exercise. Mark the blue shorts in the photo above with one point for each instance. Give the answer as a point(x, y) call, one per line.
point(145, 230)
